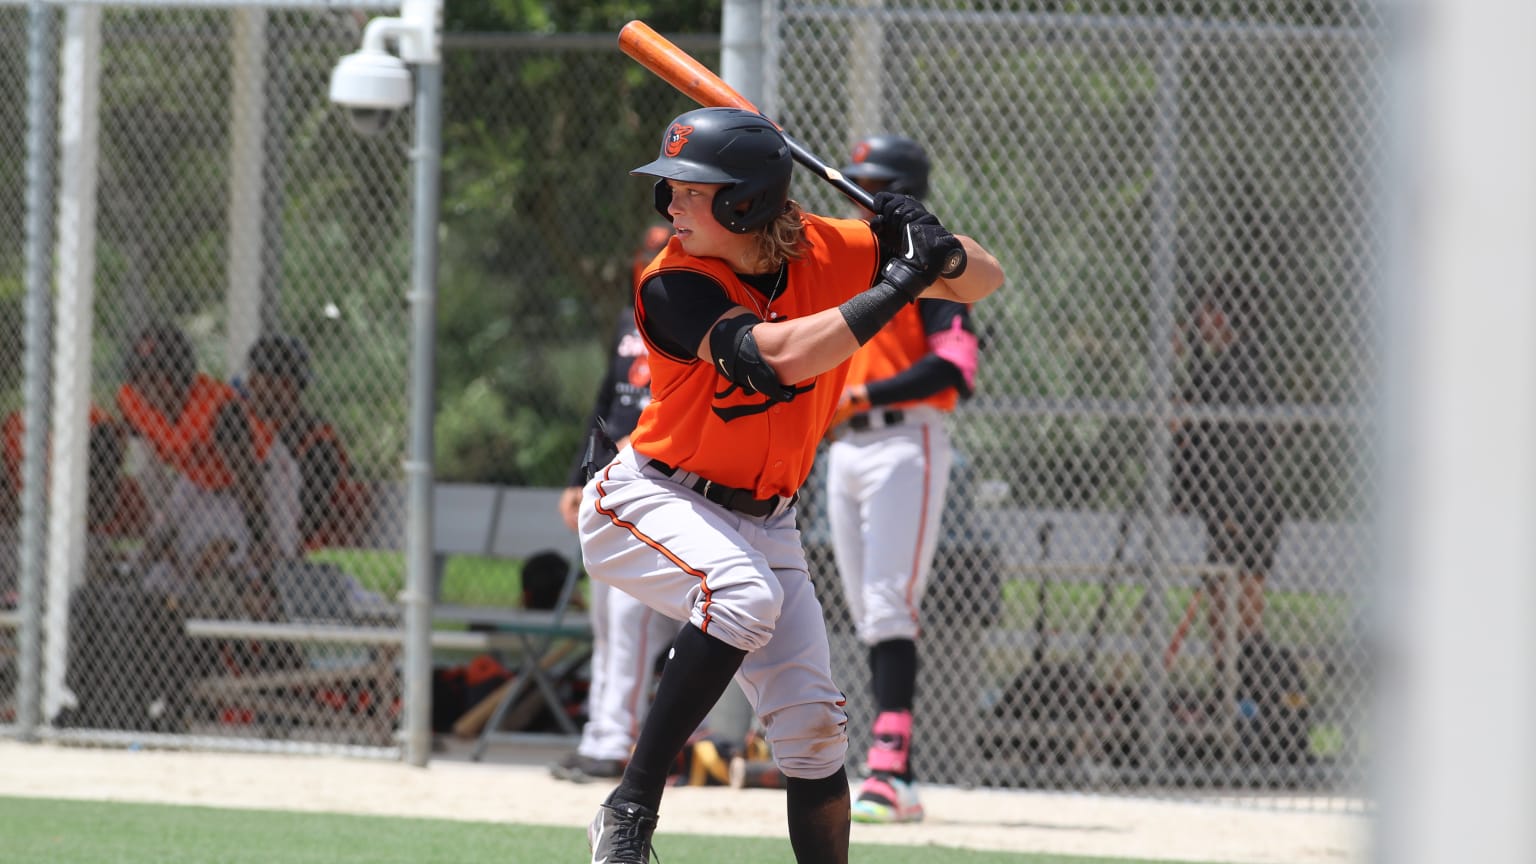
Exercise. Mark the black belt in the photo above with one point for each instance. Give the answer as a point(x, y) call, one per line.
point(860, 422)
point(740, 500)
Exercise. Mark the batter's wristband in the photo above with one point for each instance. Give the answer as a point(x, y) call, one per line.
point(906, 278)
point(869, 310)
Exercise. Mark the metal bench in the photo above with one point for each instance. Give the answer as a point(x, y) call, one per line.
point(512, 522)
point(469, 519)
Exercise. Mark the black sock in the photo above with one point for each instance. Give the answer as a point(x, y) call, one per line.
point(691, 683)
point(893, 668)
point(819, 818)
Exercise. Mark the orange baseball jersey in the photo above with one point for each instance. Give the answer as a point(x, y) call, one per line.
point(186, 442)
point(895, 348)
point(13, 432)
point(701, 422)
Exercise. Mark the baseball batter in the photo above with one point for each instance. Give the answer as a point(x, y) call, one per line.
point(887, 470)
point(750, 315)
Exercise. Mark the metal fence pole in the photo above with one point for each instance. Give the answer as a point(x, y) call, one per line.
point(426, 158)
point(1160, 326)
point(41, 71)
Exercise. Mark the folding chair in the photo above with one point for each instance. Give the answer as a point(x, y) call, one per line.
point(507, 522)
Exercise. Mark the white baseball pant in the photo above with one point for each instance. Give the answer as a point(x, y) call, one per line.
point(743, 580)
point(885, 499)
point(627, 637)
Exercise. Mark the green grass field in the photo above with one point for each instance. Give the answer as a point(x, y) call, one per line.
point(467, 579)
point(47, 831)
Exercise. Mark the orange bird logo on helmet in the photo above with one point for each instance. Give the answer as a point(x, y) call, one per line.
point(677, 136)
point(861, 152)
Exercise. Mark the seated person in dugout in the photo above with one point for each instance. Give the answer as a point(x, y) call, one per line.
point(226, 499)
point(115, 508)
point(333, 505)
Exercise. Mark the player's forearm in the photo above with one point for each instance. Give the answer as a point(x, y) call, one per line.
point(802, 348)
point(982, 276)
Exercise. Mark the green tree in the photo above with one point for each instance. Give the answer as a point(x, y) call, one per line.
point(540, 217)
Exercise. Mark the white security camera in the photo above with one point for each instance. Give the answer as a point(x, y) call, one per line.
point(372, 86)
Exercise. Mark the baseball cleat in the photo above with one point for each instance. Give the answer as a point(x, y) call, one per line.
point(562, 769)
point(884, 799)
point(585, 769)
point(620, 833)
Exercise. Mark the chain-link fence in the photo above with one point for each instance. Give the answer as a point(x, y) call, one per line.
point(246, 254)
point(228, 369)
point(1181, 200)
point(1161, 500)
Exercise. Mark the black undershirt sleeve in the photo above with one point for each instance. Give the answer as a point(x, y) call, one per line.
point(939, 315)
point(929, 375)
point(679, 308)
point(320, 469)
point(602, 406)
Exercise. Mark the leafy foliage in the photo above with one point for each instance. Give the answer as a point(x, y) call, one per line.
point(539, 220)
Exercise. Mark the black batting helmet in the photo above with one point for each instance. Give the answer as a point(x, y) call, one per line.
point(731, 146)
point(280, 357)
point(899, 162)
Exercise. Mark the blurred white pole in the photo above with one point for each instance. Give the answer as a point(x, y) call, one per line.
point(1456, 777)
point(247, 163)
point(742, 29)
point(75, 281)
point(866, 62)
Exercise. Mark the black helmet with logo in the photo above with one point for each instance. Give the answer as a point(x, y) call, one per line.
point(740, 149)
point(899, 162)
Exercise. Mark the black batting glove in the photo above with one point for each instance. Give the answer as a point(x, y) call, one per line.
point(893, 212)
point(909, 234)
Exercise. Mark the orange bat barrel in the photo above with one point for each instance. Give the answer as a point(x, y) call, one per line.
point(695, 80)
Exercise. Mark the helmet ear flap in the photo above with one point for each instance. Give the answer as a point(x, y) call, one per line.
point(729, 209)
point(662, 194)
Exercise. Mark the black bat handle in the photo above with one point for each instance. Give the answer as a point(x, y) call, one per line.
point(858, 195)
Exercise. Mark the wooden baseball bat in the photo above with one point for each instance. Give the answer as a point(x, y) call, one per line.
point(469, 724)
point(693, 79)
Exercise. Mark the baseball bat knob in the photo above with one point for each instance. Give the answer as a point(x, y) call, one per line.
point(954, 265)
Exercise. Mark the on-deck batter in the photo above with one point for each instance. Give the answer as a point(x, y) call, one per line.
point(887, 472)
point(750, 314)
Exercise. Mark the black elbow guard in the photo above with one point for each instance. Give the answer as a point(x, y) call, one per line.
point(738, 360)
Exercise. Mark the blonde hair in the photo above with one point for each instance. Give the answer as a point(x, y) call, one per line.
point(783, 239)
